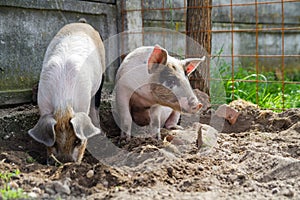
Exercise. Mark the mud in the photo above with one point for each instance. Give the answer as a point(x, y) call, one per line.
point(256, 158)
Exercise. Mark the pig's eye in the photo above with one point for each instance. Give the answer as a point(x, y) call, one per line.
point(77, 142)
point(171, 82)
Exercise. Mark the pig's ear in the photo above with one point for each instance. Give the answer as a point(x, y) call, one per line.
point(158, 57)
point(43, 131)
point(191, 64)
point(83, 126)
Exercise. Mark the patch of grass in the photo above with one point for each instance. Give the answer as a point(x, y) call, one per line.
point(9, 193)
point(263, 89)
point(6, 176)
point(6, 191)
point(30, 159)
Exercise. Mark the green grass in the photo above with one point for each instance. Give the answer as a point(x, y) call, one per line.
point(30, 159)
point(7, 192)
point(263, 89)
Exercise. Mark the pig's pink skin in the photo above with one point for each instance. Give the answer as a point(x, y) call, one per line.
point(172, 120)
point(140, 94)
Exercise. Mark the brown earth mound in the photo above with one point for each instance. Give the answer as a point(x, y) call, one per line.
point(257, 157)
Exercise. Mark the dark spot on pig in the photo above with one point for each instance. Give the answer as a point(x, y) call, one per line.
point(171, 82)
point(168, 78)
point(163, 95)
point(141, 117)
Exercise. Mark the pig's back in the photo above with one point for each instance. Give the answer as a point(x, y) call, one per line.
point(69, 76)
point(136, 59)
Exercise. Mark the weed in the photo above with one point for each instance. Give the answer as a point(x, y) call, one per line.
point(7, 192)
point(30, 159)
point(263, 89)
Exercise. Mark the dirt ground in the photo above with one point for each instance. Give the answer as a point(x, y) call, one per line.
point(256, 158)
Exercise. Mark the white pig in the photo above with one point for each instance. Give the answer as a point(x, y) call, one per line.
point(152, 88)
point(70, 79)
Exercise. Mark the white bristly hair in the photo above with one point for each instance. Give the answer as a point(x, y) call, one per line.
point(61, 76)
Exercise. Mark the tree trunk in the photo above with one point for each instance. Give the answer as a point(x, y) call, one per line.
point(198, 27)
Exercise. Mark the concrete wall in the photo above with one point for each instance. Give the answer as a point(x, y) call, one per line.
point(26, 28)
point(169, 18)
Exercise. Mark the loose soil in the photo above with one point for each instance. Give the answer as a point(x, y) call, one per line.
point(256, 158)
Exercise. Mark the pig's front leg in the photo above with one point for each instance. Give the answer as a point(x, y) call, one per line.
point(126, 122)
point(172, 121)
point(94, 112)
point(155, 121)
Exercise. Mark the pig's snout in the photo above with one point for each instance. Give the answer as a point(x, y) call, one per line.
point(194, 104)
point(190, 105)
point(58, 159)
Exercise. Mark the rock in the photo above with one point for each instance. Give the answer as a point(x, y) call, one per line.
point(169, 138)
point(36, 190)
point(232, 178)
point(32, 195)
point(288, 193)
point(275, 191)
point(228, 113)
point(90, 174)
point(105, 183)
point(46, 196)
point(200, 168)
point(61, 188)
point(199, 140)
point(177, 141)
point(13, 185)
point(6, 137)
point(170, 171)
point(203, 98)
point(50, 191)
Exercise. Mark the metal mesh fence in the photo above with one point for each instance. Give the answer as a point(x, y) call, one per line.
point(254, 44)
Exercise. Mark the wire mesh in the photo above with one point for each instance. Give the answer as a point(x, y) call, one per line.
point(249, 31)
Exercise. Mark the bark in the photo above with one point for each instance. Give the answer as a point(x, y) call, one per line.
point(198, 27)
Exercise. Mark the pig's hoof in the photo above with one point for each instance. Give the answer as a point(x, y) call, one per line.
point(128, 138)
point(156, 136)
point(124, 139)
point(175, 127)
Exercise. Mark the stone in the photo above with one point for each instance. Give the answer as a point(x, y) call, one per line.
point(228, 113)
point(61, 188)
point(90, 174)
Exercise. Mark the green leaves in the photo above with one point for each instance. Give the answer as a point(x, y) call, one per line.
point(6, 191)
point(262, 88)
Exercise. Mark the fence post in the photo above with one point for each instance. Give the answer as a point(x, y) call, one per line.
point(198, 27)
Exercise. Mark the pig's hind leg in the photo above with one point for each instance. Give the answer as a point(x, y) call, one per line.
point(122, 113)
point(95, 105)
point(155, 121)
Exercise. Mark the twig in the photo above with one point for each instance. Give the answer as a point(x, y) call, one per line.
point(199, 137)
point(55, 159)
